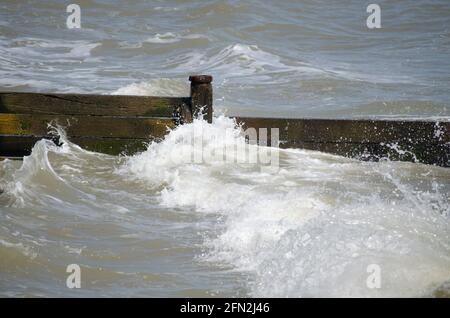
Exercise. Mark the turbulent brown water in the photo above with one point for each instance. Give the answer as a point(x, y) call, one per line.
point(148, 225)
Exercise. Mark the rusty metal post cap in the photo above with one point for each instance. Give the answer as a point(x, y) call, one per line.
point(201, 79)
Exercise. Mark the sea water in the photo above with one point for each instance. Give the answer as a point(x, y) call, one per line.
point(147, 225)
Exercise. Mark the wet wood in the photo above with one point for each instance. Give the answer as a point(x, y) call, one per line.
point(110, 124)
point(115, 124)
point(10, 158)
point(79, 126)
point(338, 130)
point(202, 96)
point(19, 146)
point(16, 146)
point(92, 105)
point(417, 141)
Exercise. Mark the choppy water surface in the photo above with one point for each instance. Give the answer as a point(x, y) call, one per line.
point(149, 226)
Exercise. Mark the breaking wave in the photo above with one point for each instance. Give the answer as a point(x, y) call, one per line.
point(313, 227)
point(310, 228)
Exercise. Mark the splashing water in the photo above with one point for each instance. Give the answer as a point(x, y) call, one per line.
point(155, 224)
point(314, 226)
point(150, 225)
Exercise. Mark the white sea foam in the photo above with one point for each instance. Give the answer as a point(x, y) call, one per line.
point(166, 9)
point(170, 37)
point(241, 60)
point(312, 228)
point(41, 64)
point(50, 49)
point(37, 175)
point(155, 87)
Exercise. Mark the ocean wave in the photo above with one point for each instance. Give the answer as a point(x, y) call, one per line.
point(309, 228)
point(20, 247)
point(240, 60)
point(170, 37)
point(45, 49)
point(155, 87)
point(317, 222)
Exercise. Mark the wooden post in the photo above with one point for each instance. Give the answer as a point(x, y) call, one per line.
point(202, 96)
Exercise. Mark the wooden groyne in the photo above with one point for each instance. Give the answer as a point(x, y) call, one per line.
point(115, 124)
point(111, 124)
point(399, 140)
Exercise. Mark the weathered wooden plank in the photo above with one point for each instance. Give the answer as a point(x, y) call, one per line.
point(16, 146)
point(113, 124)
point(10, 158)
point(365, 131)
point(113, 146)
point(76, 126)
point(92, 105)
point(19, 146)
point(418, 141)
point(435, 154)
point(105, 123)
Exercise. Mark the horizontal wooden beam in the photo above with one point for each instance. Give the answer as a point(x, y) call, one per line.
point(110, 135)
point(113, 124)
point(82, 126)
point(10, 158)
point(19, 146)
point(92, 105)
point(345, 130)
point(110, 124)
point(434, 154)
point(423, 141)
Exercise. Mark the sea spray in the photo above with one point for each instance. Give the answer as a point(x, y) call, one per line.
point(311, 228)
point(314, 226)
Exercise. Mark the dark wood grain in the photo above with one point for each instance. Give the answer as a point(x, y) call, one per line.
point(202, 96)
point(92, 105)
point(19, 146)
point(80, 126)
point(418, 141)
